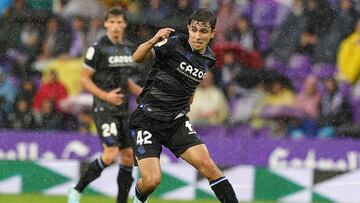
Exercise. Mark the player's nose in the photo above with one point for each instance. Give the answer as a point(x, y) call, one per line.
point(197, 35)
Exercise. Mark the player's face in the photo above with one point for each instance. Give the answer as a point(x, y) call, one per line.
point(200, 35)
point(115, 26)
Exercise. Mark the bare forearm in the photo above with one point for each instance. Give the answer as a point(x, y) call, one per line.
point(143, 51)
point(90, 86)
point(134, 88)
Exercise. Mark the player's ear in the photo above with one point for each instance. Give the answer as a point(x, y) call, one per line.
point(213, 33)
point(105, 24)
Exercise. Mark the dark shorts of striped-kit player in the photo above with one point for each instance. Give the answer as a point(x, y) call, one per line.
point(112, 128)
point(147, 135)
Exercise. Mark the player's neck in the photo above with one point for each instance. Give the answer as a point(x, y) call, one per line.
point(115, 40)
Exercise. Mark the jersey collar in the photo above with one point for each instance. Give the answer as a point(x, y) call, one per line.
point(124, 42)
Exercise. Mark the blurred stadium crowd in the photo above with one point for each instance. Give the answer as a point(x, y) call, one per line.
point(289, 68)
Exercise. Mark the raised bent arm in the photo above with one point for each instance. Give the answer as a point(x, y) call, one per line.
point(144, 50)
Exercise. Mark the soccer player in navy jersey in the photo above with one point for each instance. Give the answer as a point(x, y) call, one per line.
point(180, 63)
point(108, 64)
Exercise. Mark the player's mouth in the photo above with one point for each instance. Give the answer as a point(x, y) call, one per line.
point(198, 43)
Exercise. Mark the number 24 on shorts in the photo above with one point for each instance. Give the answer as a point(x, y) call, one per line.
point(143, 137)
point(109, 129)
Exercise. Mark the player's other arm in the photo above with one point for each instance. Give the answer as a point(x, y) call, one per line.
point(113, 97)
point(134, 88)
point(144, 50)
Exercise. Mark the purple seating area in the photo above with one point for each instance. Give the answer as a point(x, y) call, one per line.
point(264, 40)
point(299, 67)
point(324, 70)
point(267, 14)
point(355, 104)
point(266, 17)
point(282, 112)
point(274, 64)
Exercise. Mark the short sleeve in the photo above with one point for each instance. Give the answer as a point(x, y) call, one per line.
point(165, 47)
point(212, 65)
point(92, 58)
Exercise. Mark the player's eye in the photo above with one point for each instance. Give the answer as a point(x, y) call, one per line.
point(204, 31)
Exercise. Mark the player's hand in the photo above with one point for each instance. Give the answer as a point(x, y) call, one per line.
point(162, 34)
point(115, 97)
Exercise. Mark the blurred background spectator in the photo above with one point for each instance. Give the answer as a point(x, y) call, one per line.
point(206, 111)
point(7, 91)
point(49, 90)
point(335, 109)
point(22, 116)
point(243, 34)
point(288, 66)
point(349, 56)
point(48, 118)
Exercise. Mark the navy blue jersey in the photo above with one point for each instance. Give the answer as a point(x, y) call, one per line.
point(176, 72)
point(112, 65)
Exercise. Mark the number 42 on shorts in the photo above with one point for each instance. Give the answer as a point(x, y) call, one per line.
point(143, 137)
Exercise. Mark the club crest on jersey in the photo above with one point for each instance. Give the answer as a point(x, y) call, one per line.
point(90, 53)
point(191, 72)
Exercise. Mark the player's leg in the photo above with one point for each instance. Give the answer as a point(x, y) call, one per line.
point(150, 178)
point(125, 178)
point(107, 129)
point(94, 169)
point(187, 144)
point(147, 149)
point(92, 172)
point(199, 157)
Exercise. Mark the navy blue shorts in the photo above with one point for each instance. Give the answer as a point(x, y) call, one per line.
point(112, 129)
point(148, 135)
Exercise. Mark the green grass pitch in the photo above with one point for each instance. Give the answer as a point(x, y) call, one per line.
point(37, 198)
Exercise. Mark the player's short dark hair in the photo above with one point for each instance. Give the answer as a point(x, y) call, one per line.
point(203, 15)
point(115, 11)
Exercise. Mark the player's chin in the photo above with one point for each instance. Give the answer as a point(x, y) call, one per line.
point(198, 46)
point(116, 33)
